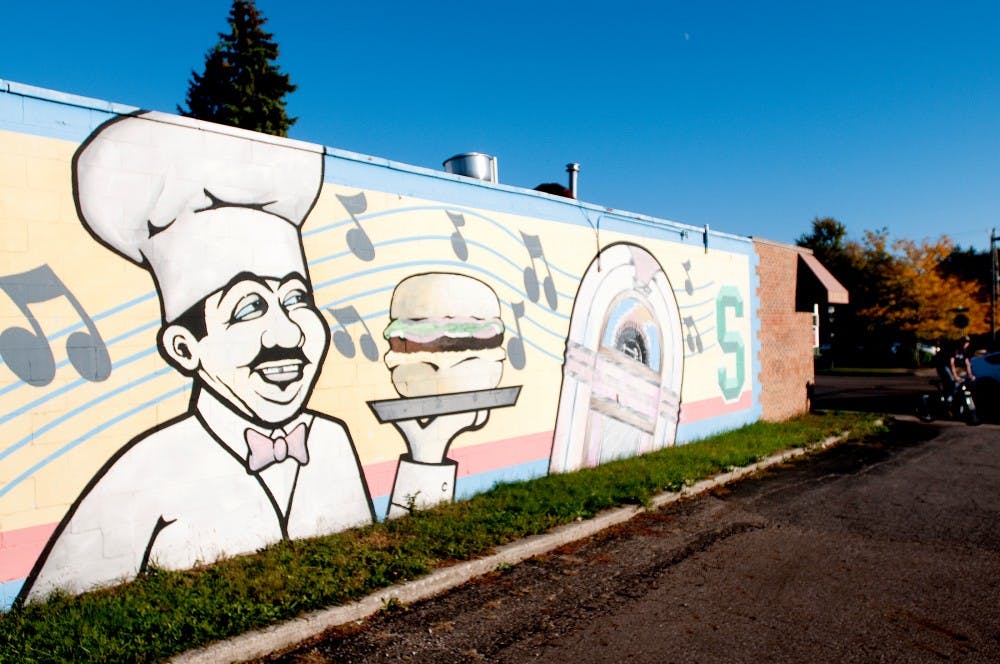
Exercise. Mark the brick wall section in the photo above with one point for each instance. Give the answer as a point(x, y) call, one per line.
point(786, 351)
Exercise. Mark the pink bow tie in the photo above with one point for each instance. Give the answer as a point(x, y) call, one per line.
point(265, 451)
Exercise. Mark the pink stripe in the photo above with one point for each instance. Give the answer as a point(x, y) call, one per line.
point(380, 477)
point(693, 411)
point(502, 453)
point(532, 447)
point(471, 460)
point(20, 548)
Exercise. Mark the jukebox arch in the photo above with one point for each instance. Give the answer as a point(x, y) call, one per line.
point(623, 368)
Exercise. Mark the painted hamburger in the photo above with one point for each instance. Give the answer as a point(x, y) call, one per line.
point(445, 335)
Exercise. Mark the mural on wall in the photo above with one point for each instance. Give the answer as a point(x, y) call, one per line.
point(249, 396)
point(28, 353)
point(624, 360)
point(446, 358)
point(248, 464)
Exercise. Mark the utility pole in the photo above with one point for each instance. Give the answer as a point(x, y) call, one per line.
point(994, 284)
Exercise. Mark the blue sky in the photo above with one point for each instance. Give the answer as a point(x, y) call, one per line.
point(752, 117)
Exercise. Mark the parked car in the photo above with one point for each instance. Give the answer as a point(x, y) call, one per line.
point(928, 349)
point(986, 369)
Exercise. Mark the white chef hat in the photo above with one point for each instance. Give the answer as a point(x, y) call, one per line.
point(196, 203)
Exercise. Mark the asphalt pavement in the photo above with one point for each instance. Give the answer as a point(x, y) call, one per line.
point(876, 551)
point(882, 392)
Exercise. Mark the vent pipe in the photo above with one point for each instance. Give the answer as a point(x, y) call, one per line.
point(473, 165)
point(573, 169)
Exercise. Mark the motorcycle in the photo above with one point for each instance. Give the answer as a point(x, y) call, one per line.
point(957, 404)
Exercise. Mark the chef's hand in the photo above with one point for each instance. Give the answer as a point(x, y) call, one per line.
point(429, 443)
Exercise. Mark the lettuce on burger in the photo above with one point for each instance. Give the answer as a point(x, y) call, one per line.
point(445, 335)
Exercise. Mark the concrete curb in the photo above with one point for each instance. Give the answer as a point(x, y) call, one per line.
point(285, 635)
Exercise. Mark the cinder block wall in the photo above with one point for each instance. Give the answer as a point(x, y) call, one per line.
point(786, 355)
point(618, 344)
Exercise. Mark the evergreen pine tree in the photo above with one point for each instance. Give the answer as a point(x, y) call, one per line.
point(242, 85)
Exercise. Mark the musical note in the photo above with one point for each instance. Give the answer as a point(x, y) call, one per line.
point(515, 347)
point(534, 247)
point(342, 338)
point(28, 353)
point(458, 244)
point(688, 285)
point(357, 240)
point(693, 335)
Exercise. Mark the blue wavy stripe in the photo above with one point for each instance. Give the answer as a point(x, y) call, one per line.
point(126, 305)
point(96, 430)
point(688, 355)
point(94, 402)
point(80, 410)
point(425, 264)
point(696, 305)
point(329, 257)
point(77, 326)
point(442, 238)
point(349, 299)
point(79, 383)
point(425, 208)
point(418, 208)
point(344, 300)
point(101, 316)
point(72, 386)
point(552, 356)
point(446, 238)
point(703, 333)
point(110, 312)
point(385, 312)
point(107, 344)
point(708, 284)
point(520, 268)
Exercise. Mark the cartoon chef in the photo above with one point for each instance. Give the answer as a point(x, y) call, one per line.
point(214, 214)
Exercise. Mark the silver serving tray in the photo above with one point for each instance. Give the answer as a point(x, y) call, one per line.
point(409, 408)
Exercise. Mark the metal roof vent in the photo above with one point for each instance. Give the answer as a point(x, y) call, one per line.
point(574, 171)
point(473, 165)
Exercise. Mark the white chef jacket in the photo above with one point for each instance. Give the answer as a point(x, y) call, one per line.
point(181, 495)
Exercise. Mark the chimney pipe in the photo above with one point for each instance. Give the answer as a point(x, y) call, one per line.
point(573, 169)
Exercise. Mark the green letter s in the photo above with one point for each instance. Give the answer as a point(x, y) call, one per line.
point(730, 341)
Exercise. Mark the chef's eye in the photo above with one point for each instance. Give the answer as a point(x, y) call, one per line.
point(250, 307)
point(294, 298)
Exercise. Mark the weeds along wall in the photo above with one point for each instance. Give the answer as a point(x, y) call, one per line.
point(211, 340)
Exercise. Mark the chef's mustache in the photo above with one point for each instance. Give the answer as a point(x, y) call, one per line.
point(277, 354)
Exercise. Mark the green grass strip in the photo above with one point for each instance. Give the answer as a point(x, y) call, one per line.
point(166, 613)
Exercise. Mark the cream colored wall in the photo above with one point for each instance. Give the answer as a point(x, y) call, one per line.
point(56, 437)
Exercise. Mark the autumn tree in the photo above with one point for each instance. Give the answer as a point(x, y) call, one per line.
point(920, 298)
point(900, 291)
point(242, 85)
point(969, 265)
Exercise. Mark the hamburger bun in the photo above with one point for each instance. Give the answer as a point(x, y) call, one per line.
point(445, 335)
point(443, 294)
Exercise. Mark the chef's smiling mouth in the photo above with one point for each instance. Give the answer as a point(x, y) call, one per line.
point(281, 373)
point(279, 366)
